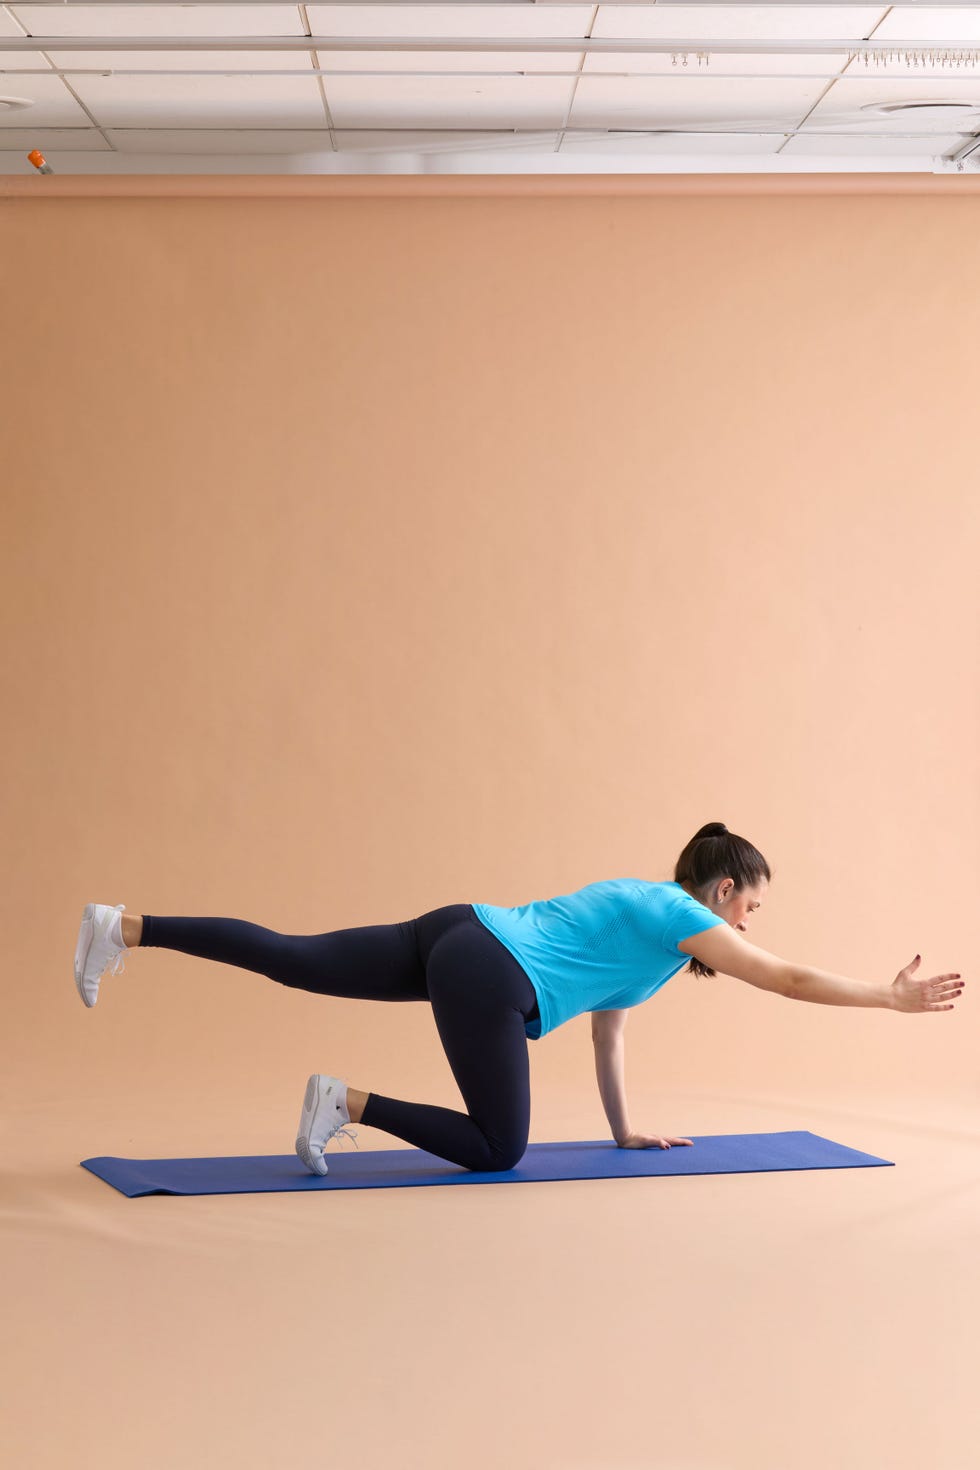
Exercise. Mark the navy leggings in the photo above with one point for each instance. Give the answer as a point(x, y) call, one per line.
point(480, 997)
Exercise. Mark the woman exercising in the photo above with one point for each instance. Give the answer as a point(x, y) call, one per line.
point(498, 976)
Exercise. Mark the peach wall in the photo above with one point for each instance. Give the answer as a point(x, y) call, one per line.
point(363, 555)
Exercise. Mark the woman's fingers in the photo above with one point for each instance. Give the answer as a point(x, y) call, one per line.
point(943, 988)
point(653, 1140)
point(933, 993)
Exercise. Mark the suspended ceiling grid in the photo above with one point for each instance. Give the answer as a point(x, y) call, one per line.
point(469, 86)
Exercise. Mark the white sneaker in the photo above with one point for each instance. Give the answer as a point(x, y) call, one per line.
point(99, 948)
point(324, 1115)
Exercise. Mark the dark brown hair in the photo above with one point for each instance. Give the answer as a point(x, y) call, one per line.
point(714, 853)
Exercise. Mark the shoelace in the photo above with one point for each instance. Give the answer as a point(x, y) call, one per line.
point(117, 960)
point(348, 1133)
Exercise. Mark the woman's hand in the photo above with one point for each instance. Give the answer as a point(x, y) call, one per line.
point(644, 1140)
point(933, 994)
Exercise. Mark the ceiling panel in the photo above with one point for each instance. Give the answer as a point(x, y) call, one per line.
point(64, 140)
point(681, 101)
point(921, 22)
point(738, 23)
point(849, 99)
point(159, 20)
point(434, 142)
point(448, 102)
point(749, 64)
point(145, 101)
point(53, 104)
point(839, 145)
point(249, 141)
point(511, 63)
point(669, 145)
point(567, 21)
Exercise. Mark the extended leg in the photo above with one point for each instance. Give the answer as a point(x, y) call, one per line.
point(372, 962)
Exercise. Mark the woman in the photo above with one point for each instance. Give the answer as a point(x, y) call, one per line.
point(498, 976)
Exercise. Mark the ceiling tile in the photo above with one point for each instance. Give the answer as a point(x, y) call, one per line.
point(205, 101)
point(738, 22)
point(448, 102)
point(65, 140)
point(568, 21)
point(159, 20)
point(54, 105)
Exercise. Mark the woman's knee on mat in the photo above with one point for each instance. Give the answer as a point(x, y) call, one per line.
point(505, 1156)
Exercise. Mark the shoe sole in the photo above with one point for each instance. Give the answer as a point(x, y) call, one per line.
point(81, 955)
point(310, 1159)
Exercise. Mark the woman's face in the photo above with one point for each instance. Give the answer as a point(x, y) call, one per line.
point(734, 907)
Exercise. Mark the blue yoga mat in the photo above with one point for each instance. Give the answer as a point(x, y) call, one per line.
point(717, 1153)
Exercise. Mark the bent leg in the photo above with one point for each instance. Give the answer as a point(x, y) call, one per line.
point(480, 998)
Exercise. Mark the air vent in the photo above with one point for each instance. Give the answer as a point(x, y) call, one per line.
point(939, 112)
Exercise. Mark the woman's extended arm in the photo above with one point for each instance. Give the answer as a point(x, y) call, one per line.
point(905, 993)
point(722, 949)
point(837, 990)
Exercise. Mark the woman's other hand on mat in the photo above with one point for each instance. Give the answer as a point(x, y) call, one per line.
point(650, 1140)
point(936, 993)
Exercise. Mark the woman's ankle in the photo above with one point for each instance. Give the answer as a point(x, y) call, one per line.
point(132, 929)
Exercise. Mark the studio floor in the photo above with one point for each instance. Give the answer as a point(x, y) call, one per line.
point(780, 1321)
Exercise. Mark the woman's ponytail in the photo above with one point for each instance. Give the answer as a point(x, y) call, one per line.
point(714, 853)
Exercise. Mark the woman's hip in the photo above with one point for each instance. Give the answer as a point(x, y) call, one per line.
point(459, 953)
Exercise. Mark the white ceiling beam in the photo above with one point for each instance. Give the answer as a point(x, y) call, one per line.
point(924, 5)
point(526, 72)
point(596, 45)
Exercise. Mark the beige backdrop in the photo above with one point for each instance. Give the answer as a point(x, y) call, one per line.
point(367, 555)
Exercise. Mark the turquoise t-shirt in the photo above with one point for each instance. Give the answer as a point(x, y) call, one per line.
point(605, 947)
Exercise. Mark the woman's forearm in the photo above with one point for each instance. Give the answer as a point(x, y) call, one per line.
point(837, 990)
point(610, 1070)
